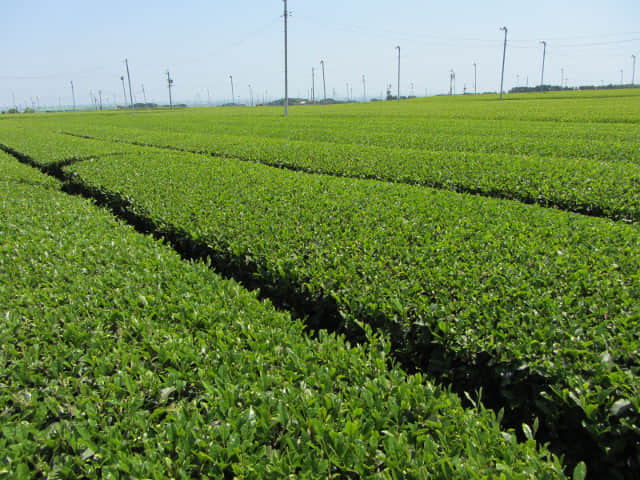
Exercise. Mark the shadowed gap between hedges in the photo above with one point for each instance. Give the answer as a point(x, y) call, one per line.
point(505, 387)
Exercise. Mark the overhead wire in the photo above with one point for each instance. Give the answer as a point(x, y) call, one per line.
point(457, 41)
point(140, 65)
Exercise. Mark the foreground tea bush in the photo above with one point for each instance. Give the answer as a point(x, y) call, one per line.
point(537, 298)
point(120, 360)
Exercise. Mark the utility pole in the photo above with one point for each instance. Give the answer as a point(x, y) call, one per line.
point(133, 111)
point(348, 99)
point(364, 88)
point(544, 54)
point(73, 96)
point(286, 71)
point(124, 90)
point(452, 82)
point(398, 47)
point(170, 84)
point(504, 55)
point(633, 72)
point(313, 85)
point(562, 78)
point(475, 78)
point(324, 83)
point(250, 96)
point(621, 77)
point(233, 96)
point(144, 95)
point(100, 94)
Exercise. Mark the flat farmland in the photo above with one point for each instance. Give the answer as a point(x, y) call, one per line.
point(493, 245)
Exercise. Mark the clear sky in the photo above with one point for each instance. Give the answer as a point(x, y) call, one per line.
point(46, 44)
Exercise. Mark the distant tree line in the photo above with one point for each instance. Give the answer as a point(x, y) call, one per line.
point(15, 110)
point(558, 88)
point(545, 88)
point(606, 87)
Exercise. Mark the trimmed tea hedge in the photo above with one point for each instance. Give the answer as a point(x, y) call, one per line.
point(522, 291)
point(120, 360)
point(51, 149)
point(597, 187)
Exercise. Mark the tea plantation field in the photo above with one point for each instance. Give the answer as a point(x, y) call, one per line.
point(489, 249)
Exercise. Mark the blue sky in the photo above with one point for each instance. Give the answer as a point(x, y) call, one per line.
point(47, 44)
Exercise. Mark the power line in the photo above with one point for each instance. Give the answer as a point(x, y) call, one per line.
point(599, 44)
point(604, 35)
point(51, 76)
point(458, 40)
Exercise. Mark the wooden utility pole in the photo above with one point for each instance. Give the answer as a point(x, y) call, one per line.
point(286, 71)
point(504, 55)
point(170, 84)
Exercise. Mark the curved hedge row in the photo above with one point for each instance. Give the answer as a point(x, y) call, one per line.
point(594, 187)
point(580, 140)
point(120, 360)
point(521, 288)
